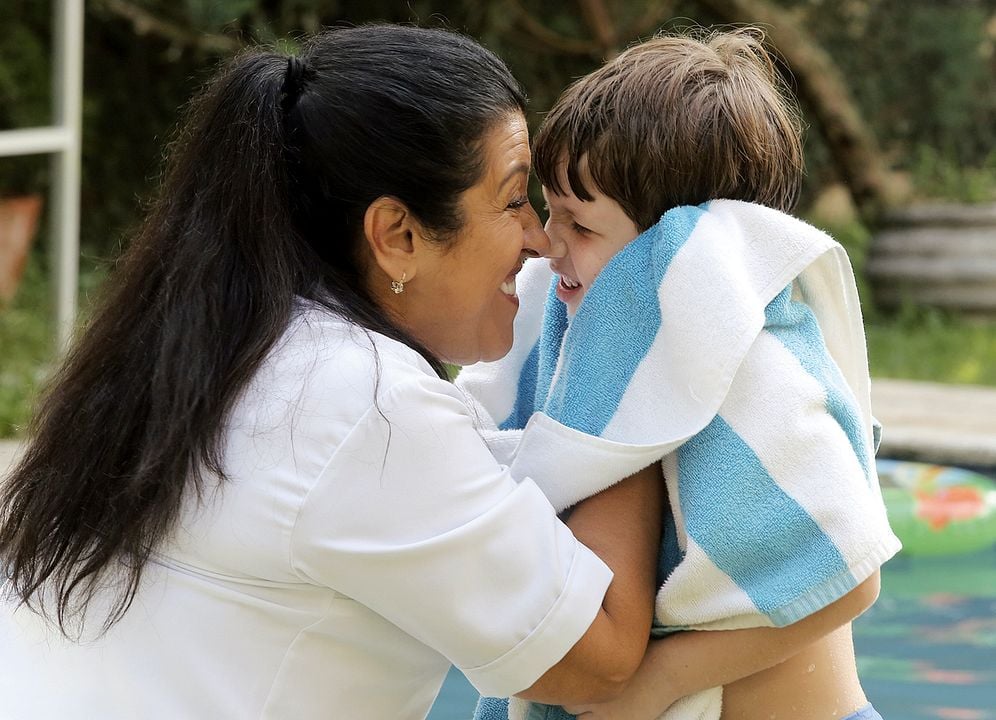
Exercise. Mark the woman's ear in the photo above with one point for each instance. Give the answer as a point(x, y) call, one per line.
point(390, 230)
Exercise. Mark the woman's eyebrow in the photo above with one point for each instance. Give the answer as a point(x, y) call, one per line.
point(518, 169)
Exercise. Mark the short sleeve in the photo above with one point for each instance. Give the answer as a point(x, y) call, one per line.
point(415, 519)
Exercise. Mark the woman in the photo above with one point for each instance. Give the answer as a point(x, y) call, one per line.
point(250, 491)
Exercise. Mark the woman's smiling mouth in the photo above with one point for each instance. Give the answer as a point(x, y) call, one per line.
point(508, 287)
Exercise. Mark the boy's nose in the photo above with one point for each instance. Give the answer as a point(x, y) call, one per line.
point(555, 247)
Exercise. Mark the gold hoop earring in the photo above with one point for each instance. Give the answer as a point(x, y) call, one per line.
point(398, 286)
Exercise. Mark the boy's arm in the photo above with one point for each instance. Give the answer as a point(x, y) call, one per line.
point(688, 662)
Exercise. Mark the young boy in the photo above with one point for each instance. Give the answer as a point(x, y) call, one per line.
point(690, 321)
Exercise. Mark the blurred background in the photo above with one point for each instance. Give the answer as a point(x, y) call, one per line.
point(899, 98)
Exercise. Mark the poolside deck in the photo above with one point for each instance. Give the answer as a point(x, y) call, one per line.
point(949, 424)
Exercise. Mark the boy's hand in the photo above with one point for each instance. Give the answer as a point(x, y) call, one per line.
point(646, 697)
point(628, 706)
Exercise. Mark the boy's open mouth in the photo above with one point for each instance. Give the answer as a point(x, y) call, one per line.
point(569, 291)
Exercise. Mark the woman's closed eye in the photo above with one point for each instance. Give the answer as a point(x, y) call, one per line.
point(579, 229)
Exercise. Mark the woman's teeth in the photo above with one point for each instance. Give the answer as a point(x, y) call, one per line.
point(508, 287)
point(568, 283)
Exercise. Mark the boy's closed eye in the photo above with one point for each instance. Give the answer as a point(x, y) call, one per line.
point(567, 220)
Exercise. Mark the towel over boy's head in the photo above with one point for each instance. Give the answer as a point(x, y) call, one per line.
point(676, 120)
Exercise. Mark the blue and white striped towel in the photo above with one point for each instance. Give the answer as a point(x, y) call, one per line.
point(727, 340)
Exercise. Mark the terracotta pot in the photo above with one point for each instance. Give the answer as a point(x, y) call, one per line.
point(18, 225)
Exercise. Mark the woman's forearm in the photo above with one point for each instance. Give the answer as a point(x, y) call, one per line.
point(622, 526)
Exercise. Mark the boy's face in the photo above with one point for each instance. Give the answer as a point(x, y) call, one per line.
point(590, 232)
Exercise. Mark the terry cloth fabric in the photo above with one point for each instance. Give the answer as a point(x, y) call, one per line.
point(727, 341)
point(489, 708)
point(492, 709)
point(701, 706)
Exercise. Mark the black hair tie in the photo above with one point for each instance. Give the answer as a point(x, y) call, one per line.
point(296, 75)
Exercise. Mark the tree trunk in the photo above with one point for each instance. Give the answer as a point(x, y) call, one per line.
point(820, 86)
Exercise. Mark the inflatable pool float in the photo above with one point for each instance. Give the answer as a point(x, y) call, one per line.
point(937, 509)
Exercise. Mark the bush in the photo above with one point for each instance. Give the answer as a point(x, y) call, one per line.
point(931, 345)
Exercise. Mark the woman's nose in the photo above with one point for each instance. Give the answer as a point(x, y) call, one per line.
point(539, 243)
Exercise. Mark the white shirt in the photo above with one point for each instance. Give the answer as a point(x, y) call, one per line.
point(356, 550)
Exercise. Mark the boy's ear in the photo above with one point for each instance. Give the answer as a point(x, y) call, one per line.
point(391, 231)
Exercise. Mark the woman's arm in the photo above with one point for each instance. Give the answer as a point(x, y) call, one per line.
point(685, 663)
point(622, 526)
point(414, 518)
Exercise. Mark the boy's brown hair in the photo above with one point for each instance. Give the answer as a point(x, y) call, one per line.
point(677, 120)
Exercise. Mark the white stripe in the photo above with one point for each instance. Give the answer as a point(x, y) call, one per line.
point(685, 376)
point(828, 288)
point(779, 410)
point(698, 593)
point(705, 331)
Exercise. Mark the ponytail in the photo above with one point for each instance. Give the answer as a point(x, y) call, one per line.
point(135, 414)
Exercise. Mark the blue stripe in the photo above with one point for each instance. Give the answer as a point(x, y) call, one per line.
point(539, 711)
point(525, 396)
point(537, 371)
point(551, 338)
point(615, 326)
point(671, 554)
point(796, 327)
point(750, 528)
point(491, 708)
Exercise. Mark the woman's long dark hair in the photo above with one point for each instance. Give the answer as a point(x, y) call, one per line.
point(262, 201)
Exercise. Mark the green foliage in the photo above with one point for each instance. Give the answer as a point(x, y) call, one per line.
point(25, 49)
point(935, 174)
point(928, 344)
point(922, 74)
point(24, 70)
point(26, 336)
point(121, 159)
point(214, 14)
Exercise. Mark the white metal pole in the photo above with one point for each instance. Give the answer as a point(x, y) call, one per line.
point(31, 141)
point(64, 210)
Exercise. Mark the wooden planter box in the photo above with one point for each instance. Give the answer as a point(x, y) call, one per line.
point(937, 255)
point(18, 225)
